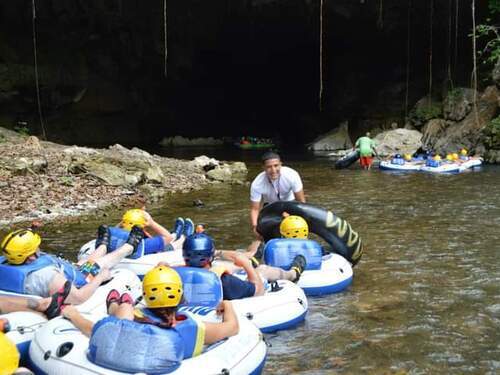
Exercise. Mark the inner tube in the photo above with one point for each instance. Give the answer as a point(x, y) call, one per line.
point(347, 160)
point(337, 232)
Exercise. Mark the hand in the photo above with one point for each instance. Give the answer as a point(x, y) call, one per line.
point(68, 311)
point(148, 218)
point(105, 274)
point(164, 264)
point(257, 234)
point(285, 214)
point(240, 260)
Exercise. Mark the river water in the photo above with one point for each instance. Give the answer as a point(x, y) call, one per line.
point(426, 294)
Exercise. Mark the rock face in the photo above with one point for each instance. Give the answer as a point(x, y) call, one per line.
point(336, 139)
point(458, 104)
point(398, 141)
point(424, 110)
point(468, 133)
point(432, 131)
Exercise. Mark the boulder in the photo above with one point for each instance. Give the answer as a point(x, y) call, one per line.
point(118, 171)
point(24, 165)
point(458, 104)
point(106, 172)
point(423, 111)
point(153, 174)
point(336, 139)
point(77, 150)
point(468, 133)
point(432, 131)
point(205, 163)
point(233, 173)
point(33, 143)
point(398, 141)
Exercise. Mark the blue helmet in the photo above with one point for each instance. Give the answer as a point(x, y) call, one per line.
point(198, 250)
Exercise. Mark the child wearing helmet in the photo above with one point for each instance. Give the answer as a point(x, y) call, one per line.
point(41, 274)
point(199, 251)
point(156, 237)
point(464, 154)
point(174, 336)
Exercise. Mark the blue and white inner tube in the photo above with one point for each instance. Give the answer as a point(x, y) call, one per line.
point(58, 347)
point(24, 325)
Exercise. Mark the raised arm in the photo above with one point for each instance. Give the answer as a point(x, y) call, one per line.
point(229, 327)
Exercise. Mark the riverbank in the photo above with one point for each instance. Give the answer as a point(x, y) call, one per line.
point(48, 181)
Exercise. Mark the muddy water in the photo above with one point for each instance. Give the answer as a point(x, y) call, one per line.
point(426, 294)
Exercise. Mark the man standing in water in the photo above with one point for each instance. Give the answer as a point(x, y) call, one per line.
point(366, 147)
point(275, 183)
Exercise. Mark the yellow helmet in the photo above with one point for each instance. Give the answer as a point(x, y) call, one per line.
point(294, 227)
point(407, 157)
point(133, 217)
point(449, 157)
point(162, 287)
point(454, 156)
point(9, 359)
point(17, 246)
point(463, 152)
point(437, 157)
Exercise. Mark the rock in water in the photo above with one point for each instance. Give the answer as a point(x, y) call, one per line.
point(432, 131)
point(198, 203)
point(398, 141)
point(336, 139)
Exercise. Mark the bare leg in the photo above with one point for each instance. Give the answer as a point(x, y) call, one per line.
point(98, 253)
point(177, 244)
point(123, 311)
point(112, 259)
point(274, 273)
point(13, 304)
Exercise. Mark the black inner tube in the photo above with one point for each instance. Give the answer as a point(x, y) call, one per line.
point(337, 232)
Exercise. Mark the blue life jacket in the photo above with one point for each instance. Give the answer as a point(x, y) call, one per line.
point(432, 163)
point(201, 287)
point(279, 252)
point(13, 277)
point(398, 161)
point(119, 236)
point(130, 346)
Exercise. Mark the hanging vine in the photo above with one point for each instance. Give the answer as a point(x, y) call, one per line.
point(450, 79)
point(37, 85)
point(408, 45)
point(380, 20)
point(165, 36)
point(430, 49)
point(474, 60)
point(321, 88)
point(456, 37)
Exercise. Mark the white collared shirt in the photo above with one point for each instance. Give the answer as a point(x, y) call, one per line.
point(281, 189)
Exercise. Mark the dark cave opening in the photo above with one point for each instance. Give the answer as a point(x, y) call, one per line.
point(246, 67)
